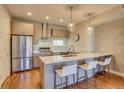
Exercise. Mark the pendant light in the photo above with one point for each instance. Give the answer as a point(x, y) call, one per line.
point(90, 27)
point(71, 26)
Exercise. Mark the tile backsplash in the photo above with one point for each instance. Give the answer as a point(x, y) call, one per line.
point(49, 43)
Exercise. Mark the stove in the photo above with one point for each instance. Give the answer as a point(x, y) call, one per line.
point(45, 51)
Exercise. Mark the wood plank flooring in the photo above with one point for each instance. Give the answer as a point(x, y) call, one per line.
point(27, 80)
point(31, 80)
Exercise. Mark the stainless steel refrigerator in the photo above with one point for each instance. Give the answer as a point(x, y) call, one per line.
point(21, 53)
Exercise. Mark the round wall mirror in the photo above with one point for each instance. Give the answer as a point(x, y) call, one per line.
point(76, 37)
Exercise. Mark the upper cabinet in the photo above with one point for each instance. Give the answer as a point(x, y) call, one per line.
point(59, 32)
point(22, 28)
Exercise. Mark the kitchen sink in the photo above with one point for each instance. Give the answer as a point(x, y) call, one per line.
point(69, 55)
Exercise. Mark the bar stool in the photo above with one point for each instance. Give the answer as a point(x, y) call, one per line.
point(104, 64)
point(65, 72)
point(86, 67)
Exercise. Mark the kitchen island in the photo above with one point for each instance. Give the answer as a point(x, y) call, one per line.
point(48, 63)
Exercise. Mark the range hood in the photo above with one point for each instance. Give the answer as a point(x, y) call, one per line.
point(45, 32)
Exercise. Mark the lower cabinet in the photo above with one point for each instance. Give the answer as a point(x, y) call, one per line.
point(36, 62)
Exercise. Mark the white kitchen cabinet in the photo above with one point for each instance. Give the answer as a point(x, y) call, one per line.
point(28, 29)
point(60, 33)
point(22, 28)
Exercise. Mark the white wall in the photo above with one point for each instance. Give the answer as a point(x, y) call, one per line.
point(86, 42)
point(91, 40)
point(4, 44)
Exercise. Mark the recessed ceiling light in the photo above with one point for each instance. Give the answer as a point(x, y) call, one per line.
point(29, 13)
point(61, 20)
point(47, 17)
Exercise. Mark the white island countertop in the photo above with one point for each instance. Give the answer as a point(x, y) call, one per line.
point(49, 62)
point(60, 59)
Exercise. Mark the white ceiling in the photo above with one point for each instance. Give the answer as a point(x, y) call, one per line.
point(56, 11)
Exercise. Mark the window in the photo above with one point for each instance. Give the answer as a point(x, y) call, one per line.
point(58, 42)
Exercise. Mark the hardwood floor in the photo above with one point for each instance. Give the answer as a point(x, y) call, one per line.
point(26, 80)
point(31, 80)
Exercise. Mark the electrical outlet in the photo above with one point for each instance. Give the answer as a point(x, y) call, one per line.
point(101, 49)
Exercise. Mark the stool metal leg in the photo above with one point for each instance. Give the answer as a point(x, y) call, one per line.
point(61, 83)
point(94, 77)
point(98, 68)
point(55, 80)
point(86, 75)
point(104, 69)
point(77, 74)
point(66, 81)
point(74, 80)
point(108, 68)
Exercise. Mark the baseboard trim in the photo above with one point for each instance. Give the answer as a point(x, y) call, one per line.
point(117, 73)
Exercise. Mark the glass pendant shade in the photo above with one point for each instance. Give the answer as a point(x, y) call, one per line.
point(71, 27)
point(89, 28)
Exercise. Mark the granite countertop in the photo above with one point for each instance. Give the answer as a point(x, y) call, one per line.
point(60, 58)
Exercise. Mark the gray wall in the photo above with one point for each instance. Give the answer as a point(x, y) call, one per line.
point(110, 38)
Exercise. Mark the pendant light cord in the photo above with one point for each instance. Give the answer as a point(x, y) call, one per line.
point(89, 19)
point(71, 13)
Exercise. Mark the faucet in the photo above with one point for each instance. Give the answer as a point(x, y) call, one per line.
point(72, 49)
